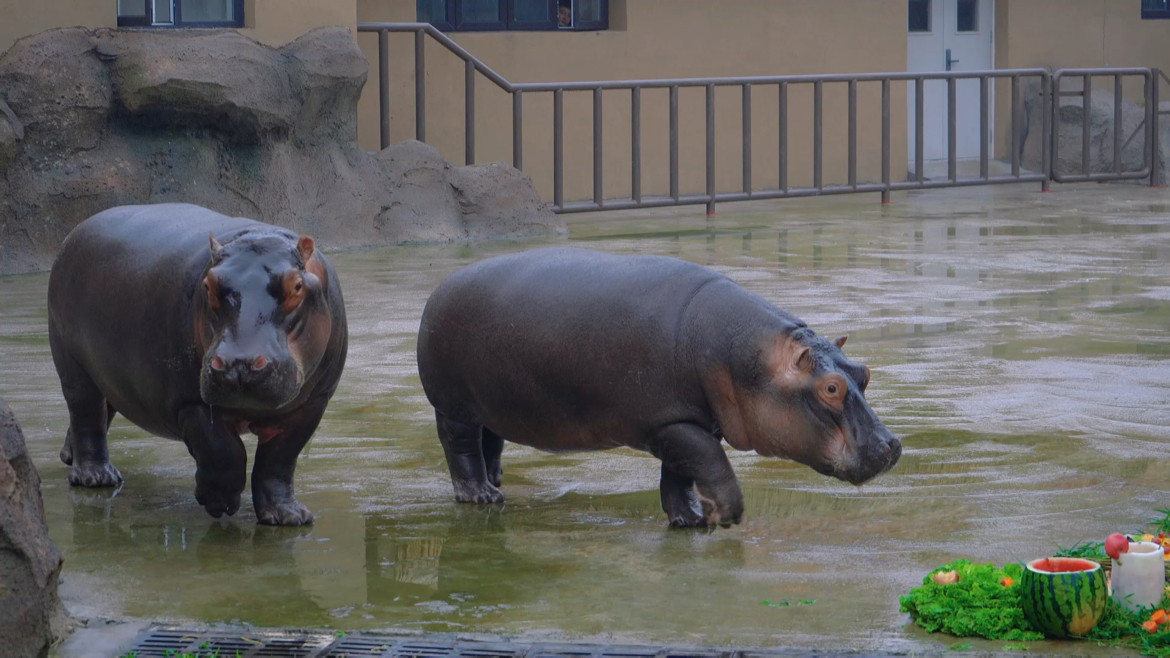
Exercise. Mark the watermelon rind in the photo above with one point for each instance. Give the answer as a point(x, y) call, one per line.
point(1063, 604)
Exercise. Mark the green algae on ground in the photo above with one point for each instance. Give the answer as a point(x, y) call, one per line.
point(976, 605)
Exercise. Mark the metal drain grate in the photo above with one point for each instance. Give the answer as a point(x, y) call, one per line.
point(173, 642)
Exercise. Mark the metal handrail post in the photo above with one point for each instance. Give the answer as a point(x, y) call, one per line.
point(597, 152)
point(952, 131)
point(886, 141)
point(420, 86)
point(1047, 103)
point(1016, 128)
point(1117, 124)
point(852, 169)
point(559, 149)
point(984, 126)
point(1155, 124)
point(636, 144)
point(919, 105)
point(383, 89)
point(710, 149)
point(1086, 108)
point(782, 107)
point(518, 130)
point(747, 139)
point(818, 108)
point(673, 127)
point(468, 113)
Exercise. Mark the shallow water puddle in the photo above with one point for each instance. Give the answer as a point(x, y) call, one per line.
point(1020, 345)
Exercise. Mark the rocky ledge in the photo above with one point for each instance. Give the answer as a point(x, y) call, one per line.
point(94, 119)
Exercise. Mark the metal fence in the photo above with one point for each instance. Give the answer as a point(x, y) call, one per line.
point(1049, 90)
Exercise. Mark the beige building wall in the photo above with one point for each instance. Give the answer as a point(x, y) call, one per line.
point(1057, 34)
point(20, 18)
point(274, 22)
point(658, 39)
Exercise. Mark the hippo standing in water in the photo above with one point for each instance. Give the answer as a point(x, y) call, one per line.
point(570, 349)
point(198, 339)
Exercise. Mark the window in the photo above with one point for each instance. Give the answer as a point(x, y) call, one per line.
point(967, 17)
point(1155, 9)
point(483, 15)
point(180, 13)
point(919, 11)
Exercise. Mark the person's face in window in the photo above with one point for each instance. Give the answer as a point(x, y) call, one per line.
point(565, 17)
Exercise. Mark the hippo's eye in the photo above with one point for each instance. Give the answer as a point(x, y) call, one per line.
point(832, 388)
point(299, 286)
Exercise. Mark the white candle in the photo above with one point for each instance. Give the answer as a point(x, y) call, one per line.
point(1139, 576)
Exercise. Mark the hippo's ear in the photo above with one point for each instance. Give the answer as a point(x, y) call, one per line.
point(215, 245)
point(840, 342)
point(803, 359)
point(305, 248)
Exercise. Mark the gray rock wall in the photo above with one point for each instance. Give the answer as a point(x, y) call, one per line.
point(30, 612)
point(94, 119)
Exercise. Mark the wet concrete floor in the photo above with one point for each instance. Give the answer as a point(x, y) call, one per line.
point(1020, 345)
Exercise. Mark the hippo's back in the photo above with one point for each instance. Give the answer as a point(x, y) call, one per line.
point(557, 334)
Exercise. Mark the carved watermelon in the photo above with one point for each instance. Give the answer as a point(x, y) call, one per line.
point(1063, 597)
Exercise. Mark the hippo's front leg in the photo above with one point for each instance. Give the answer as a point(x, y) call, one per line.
point(693, 457)
point(221, 462)
point(281, 442)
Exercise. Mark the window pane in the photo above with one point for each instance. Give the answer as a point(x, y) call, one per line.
point(968, 18)
point(919, 15)
point(480, 11)
point(565, 13)
point(207, 10)
point(162, 12)
point(530, 11)
point(588, 11)
point(131, 8)
point(1162, 5)
point(431, 11)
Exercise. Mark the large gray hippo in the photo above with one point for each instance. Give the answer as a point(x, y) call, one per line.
point(571, 349)
point(198, 327)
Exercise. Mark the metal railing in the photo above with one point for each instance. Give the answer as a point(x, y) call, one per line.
point(781, 85)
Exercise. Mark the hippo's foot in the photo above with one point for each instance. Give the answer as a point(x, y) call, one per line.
point(66, 453)
point(682, 511)
point(217, 503)
point(275, 504)
point(722, 515)
point(289, 514)
point(94, 475)
point(480, 493)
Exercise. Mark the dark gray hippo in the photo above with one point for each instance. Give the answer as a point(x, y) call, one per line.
point(198, 339)
point(570, 349)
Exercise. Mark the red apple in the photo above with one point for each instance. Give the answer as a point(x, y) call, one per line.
point(1115, 545)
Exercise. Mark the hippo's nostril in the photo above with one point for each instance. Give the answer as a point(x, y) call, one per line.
point(216, 363)
point(259, 362)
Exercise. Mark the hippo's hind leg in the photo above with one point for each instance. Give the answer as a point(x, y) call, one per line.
point(696, 475)
point(85, 447)
point(493, 448)
point(465, 450)
point(66, 453)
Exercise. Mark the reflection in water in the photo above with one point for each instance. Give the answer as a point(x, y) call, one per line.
point(1018, 343)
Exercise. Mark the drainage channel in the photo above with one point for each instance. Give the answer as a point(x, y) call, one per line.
point(167, 642)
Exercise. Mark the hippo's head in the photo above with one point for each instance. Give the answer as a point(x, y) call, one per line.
point(805, 401)
point(264, 322)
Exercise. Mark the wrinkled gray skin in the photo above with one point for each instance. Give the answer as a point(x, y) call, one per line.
point(570, 349)
point(197, 327)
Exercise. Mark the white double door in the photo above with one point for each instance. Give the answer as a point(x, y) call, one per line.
point(954, 35)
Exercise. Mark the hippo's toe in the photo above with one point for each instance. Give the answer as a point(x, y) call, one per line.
point(481, 493)
point(290, 513)
point(94, 475)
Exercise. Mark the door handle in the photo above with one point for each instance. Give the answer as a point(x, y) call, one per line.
point(949, 60)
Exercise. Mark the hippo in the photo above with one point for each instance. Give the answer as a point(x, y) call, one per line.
point(571, 350)
point(198, 327)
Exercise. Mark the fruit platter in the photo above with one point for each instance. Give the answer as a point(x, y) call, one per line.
point(1112, 593)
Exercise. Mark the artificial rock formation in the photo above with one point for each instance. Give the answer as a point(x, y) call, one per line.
point(30, 612)
point(1071, 117)
point(94, 119)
